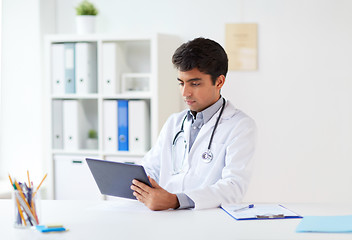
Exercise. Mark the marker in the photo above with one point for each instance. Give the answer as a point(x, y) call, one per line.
point(244, 208)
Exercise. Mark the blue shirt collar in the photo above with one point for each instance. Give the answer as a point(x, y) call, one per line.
point(207, 113)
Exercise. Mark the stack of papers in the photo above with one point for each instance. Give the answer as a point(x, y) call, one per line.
point(258, 211)
point(327, 224)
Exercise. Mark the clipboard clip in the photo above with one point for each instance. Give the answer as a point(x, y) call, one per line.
point(270, 216)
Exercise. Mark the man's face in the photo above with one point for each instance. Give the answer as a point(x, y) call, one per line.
point(198, 90)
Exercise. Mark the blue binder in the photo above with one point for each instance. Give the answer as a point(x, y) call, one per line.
point(70, 68)
point(122, 127)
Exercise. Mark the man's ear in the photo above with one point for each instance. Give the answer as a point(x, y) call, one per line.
point(220, 81)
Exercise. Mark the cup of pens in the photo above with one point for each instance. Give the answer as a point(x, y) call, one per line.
point(26, 200)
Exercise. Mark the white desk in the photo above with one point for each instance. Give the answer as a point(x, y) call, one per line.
point(126, 219)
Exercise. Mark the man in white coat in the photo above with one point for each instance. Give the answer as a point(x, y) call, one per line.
point(202, 157)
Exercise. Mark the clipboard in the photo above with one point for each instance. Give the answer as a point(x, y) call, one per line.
point(259, 212)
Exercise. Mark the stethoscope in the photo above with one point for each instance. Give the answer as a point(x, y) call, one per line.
point(207, 156)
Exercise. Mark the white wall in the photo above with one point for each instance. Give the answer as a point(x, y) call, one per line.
point(300, 97)
point(0, 74)
point(23, 24)
point(301, 100)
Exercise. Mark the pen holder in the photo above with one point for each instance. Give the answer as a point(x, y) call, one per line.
point(26, 208)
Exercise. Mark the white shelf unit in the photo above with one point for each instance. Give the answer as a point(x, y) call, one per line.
point(144, 57)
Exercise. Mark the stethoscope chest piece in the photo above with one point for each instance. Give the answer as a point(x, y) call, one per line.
point(207, 156)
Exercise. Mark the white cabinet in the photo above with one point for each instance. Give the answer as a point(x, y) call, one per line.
point(73, 180)
point(88, 79)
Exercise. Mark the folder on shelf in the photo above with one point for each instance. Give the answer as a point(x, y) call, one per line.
point(122, 116)
point(57, 118)
point(69, 68)
point(138, 126)
point(73, 125)
point(111, 84)
point(110, 125)
point(58, 68)
point(86, 68)
point(258, 211)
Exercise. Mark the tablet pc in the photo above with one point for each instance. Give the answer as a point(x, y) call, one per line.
point(115, 178)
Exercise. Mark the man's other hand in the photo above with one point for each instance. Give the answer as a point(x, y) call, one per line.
point(155, 197)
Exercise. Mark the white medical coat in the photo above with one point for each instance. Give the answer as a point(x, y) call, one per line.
point(222, 181)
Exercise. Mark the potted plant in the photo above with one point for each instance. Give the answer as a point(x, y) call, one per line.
point(85, 19)
point(92, 141)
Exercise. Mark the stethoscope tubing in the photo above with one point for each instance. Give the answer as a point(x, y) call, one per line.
point(212, 134)
point(216, 124)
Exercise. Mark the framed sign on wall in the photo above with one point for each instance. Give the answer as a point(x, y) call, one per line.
point(241, 46)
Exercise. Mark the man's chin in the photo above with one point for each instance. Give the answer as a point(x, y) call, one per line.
point(194, 109)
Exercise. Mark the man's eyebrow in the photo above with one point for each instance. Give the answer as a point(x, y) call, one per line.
point(190, 80)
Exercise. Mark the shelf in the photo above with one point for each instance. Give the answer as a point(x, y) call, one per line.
point(127, 95)
point(96, 152)
point(75, 96)
point(132, 95)
point(123, 154)
point(62, 38)
point(136, 68)
point(77, 152)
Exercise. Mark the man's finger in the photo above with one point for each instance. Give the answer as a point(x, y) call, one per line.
point(138, 189)
point(153, 182)
point(139, 197)
point(141, 185)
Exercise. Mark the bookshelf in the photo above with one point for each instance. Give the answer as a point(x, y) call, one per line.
point(132, 68)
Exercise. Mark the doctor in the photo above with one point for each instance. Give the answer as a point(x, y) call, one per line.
point(202, 157)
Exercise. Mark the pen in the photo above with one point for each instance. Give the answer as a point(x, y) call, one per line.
point(20, 211)
point(23, 202)
point(243, 208)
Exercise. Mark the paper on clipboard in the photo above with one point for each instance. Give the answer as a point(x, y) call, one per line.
point(259, 211)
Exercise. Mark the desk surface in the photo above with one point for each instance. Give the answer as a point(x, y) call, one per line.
point(128, 219)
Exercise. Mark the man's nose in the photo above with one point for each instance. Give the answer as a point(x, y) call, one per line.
point(186, 91)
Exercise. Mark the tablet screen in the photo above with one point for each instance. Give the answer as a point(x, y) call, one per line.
point(115, 178)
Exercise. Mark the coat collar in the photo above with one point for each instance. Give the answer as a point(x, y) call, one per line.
point(229, 111)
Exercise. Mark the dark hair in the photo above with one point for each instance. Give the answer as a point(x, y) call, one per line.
point(204, 54)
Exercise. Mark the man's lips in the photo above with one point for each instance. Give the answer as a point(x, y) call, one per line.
point(189, 102)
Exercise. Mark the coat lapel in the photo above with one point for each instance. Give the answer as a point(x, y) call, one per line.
point(207, 128)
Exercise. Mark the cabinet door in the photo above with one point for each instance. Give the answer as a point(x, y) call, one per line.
point(73, 179)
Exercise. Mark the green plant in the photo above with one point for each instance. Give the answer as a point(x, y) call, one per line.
point(86, 8)
point(92, 134)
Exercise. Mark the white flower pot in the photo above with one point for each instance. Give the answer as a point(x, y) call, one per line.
point(85, 24)
point(92, 143)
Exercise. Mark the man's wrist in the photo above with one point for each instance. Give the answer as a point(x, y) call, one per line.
point(175, 201)
point(184, 201)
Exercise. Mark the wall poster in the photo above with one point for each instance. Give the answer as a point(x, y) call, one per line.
point(241, 46)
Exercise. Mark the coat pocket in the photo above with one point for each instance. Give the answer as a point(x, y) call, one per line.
point(210, 163)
